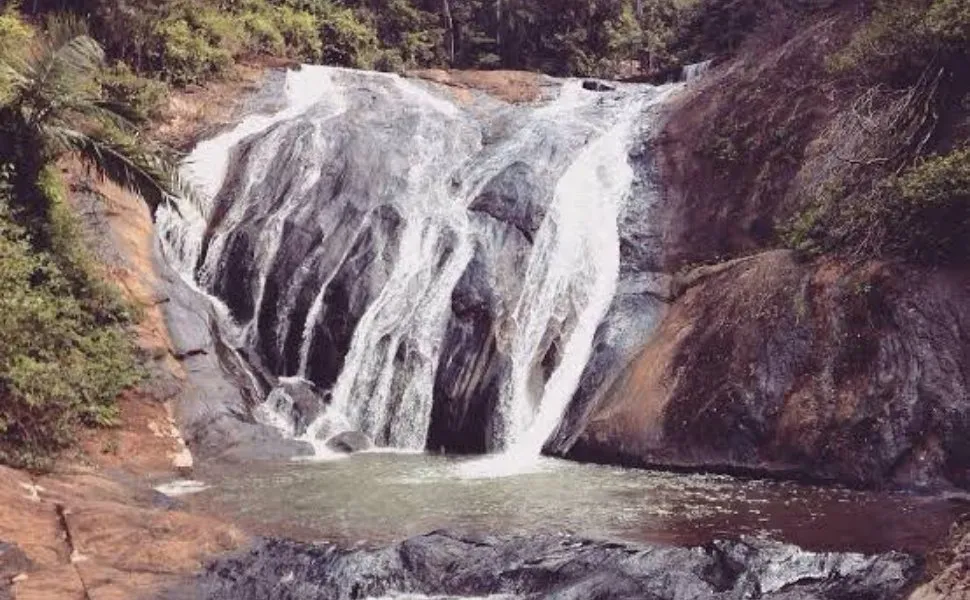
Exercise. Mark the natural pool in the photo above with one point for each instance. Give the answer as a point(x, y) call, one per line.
point(376, 498)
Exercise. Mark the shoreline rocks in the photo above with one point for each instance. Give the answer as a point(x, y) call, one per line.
point(561, 567)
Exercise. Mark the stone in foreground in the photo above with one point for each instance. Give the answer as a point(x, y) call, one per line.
point(547, 567)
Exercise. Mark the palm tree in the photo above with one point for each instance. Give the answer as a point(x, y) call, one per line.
point(54, 107)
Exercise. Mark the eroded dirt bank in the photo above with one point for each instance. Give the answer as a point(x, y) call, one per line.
point(93, 528)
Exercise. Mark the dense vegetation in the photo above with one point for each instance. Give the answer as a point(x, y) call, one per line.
point(65, 350)
point(905, 189)
point(184, 41)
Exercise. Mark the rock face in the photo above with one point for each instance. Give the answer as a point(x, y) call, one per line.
point(857, 374)
point(428, 264)
point(78, 534)
point(560, 567)
point(214, 411)
point(829, 369)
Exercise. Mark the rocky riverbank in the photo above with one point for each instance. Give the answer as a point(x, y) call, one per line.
point(444, 564)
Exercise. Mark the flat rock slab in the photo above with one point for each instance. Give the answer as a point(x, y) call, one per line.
point(540, 567)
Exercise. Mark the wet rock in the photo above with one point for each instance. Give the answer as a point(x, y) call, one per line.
point(597, 86)
point(854, 373)
point(349, 442)
point(560, 567)
point(213, 411)
point(339, 231)
point(516, 197)
point(13, 566)
point(306, 242)
point(640, 301)
point(230, 438)
point(296, 400)
point(469, 376)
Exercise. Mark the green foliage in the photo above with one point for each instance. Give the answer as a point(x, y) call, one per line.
point(922, 214)
point(14, 33)
point(403, 28)
point(57, 107)
point(139, 98)
point(927, 209)
point(713, 28)
point(195, 44)
point(66, 351)
point(263, 35)
point(892, 200)
point(347, 39)
point(300, 33)
point(184, 41)
point(904, 37)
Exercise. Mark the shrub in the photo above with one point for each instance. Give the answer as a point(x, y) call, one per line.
point(347, 40)
point(922, 214)
point(390, 61)
point(903, 37)
point(14, 34)
point(66, 352)
point(185, 55)
point(299, 30)
point(927, 209)
point(142, 98)
point(264, 35)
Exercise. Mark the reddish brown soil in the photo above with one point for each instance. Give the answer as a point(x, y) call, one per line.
point(511, 86)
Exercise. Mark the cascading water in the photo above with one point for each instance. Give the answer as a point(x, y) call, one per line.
point(434, 272)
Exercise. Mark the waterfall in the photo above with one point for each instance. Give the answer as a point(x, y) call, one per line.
point(571, 276)
point(413, 258)
point(695, 71)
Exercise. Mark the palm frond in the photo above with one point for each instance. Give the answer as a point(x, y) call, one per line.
point(75, 51)
point(150, 175)
point(58, 69)
point(101, 112)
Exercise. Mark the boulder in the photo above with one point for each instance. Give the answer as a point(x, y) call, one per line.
point(296, 401)
point(349, 442)
point(597, 86)
point(855, 373)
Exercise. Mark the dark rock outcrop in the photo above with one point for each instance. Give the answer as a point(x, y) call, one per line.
point(827, 369)
point(13, 563)
point(735, 166)
point(597, 86)
point(315, 240)
point(298, 400)
point(856, 374)
point(214, 411)
point(349, 442)
point(560, 567)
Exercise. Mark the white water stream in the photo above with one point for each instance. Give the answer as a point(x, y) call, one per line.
point(434, 158)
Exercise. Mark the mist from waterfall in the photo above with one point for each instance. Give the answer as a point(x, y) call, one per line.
point(374, 235)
